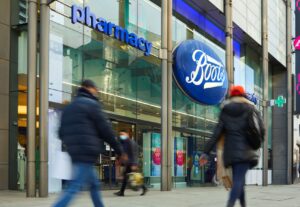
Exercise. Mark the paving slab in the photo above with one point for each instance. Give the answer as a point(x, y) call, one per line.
point(257, 196)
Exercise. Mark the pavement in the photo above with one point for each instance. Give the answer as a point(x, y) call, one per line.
point(271, 196)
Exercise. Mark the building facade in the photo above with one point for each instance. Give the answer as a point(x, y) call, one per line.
point(83, 44)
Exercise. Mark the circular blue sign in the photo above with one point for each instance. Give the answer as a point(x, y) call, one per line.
point(199, 72)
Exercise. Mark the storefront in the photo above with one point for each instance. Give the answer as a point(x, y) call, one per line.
point(126, 66)
point(130, 85)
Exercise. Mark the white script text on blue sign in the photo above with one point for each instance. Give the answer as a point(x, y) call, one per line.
point(85, 16)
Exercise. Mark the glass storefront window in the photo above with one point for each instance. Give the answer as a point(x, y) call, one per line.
point(149, 21)
point(65, 68)
point(20, 10)
point(248, 73)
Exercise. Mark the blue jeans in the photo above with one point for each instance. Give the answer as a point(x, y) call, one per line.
point(239, 171)
point(83, 174)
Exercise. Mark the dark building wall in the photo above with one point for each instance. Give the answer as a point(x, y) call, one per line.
point(279, 129)
point(4, 90)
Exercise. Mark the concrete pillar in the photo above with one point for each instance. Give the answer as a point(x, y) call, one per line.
point(289, 90)
point(166, 113)
point(31, 96)
point(265, 63)
point(229, 41)
point(279, 128)
point(44, 97)
point(4, 91)
point(170, 146)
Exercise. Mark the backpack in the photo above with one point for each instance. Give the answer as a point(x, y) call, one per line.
point(254, 131)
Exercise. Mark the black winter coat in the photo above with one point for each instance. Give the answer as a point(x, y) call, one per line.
point(131, 149)
point(233, 123)
point(84, 129)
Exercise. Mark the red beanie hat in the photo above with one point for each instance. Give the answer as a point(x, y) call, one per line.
point(237, 91)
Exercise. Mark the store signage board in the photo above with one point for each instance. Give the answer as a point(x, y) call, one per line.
point(280, 101)
point(297, 43)
point(297, 59)
point(85, 16)
point(199, 72)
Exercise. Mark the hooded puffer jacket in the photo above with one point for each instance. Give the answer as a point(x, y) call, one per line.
point(233, 123)
point(84, 129)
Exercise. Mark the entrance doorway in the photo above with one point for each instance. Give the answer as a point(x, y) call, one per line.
point(110, 170)
point(108, 167)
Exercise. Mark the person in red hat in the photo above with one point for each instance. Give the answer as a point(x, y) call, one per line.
point(237, 91)
point(240, 153)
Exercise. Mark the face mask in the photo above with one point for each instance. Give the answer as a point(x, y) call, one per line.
point(123, 137)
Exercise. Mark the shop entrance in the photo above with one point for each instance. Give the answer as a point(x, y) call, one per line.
point(186, 169)
point(196, 175)
point(108, 167)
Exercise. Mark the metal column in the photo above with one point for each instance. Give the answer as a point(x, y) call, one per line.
point(31, 96)
point(289, 90)
point(229, 42)
point(166, 111)
point(44, 81)
point(265, 62)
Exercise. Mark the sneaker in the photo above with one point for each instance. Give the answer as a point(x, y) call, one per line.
point(119, 193)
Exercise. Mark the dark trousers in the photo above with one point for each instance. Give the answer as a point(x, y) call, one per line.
point(125, 178)
point(239, 171)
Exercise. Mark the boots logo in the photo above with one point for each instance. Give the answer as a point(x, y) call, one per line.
point(199, 72)
point(208, 70)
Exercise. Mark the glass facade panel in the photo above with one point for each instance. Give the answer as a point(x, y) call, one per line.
point(129, 83)
point(20, 9)
point(149, 22)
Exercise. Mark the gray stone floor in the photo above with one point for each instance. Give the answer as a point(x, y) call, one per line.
point(272, 196)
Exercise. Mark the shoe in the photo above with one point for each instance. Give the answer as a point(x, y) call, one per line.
point(145, 190)
point(119, 193)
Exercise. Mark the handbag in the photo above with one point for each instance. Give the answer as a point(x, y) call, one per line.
point(254, 132)
point(224, 175)
point(136, 180)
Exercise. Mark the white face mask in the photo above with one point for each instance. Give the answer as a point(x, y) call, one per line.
point(123, 137)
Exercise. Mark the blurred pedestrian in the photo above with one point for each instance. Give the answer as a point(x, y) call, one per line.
point(84, 129)
point(130, 148)
point(239, 151)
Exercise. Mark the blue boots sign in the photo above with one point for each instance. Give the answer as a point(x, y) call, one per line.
point(199, 72)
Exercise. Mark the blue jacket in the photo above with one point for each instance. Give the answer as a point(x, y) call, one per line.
point(84, 129)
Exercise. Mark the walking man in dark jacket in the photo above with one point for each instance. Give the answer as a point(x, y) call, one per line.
point(238, 153)
point(83, 130)
point(130, 148)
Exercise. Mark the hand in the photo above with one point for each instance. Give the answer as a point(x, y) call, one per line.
point(203, 160)
point(134, 168)
point(124, 158)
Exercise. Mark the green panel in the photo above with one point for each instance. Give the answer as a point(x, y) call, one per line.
point(147, 154)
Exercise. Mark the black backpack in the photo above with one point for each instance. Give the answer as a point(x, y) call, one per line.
point(255, 129)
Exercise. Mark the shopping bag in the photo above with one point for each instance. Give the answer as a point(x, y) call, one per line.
point(224, 175)
point(136, 180)
point(63, 166)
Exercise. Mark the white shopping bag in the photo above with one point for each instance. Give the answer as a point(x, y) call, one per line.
point(62, 166)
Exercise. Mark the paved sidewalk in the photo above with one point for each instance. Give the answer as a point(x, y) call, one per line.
point(272, 196)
